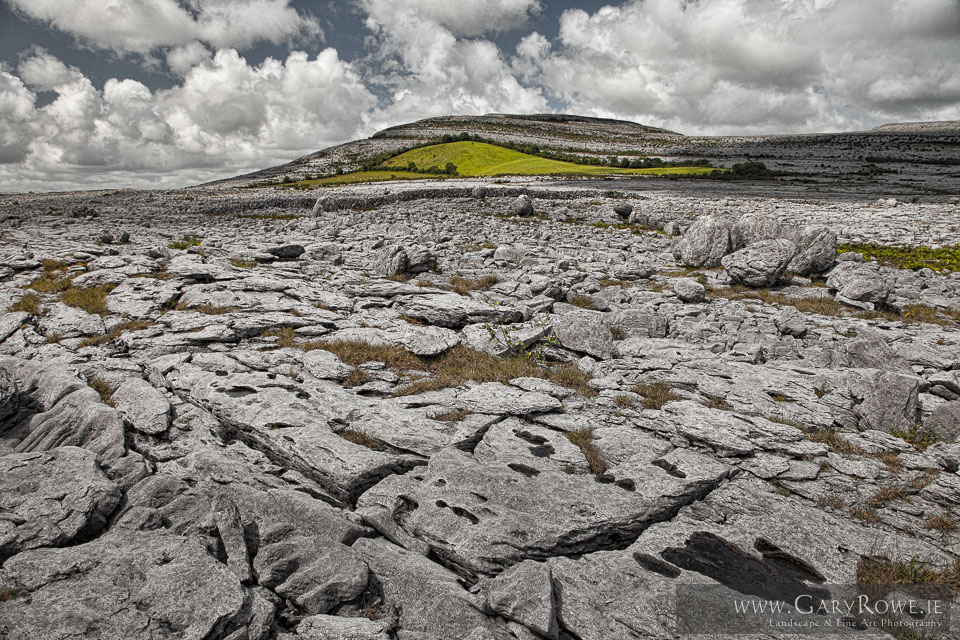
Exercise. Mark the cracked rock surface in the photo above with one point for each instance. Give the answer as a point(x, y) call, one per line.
point(427, 412)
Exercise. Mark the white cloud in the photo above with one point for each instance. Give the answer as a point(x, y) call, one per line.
point(225, 118)
point(429, 71)
point(742, 66)
point(139, 26)
point(462, 19)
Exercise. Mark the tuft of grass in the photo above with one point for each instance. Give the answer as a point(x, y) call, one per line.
point(584, 302)
point(90, 299)
point(655, 395)
point(866, 514)
point(455, 415)
point(944, 259)
point(923, 480)
point(890, 459)
point(623, 402)
point(184, 243)
point(944, 523)
point(357, 352)
point(358, 436)
point(102, 388)
point(286, 336)
point(358, 377)
point(50, 284)
point(618, 333)
point(583, 438)
point(919, 438)
point(243, 264)
point(463, 286)
point(270, 216)
point(116, 332)
point(210, 310)
point(718, 402)
point(569, 375)
point(885, 496)
point(29, 303)
point(834, 502)
point(832, 439)
point(883, 571)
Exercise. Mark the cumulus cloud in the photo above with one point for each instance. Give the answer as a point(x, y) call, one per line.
point(462, 19)
point(226, 116)
point(140, 26)
point(753, 65)
point(428, 70)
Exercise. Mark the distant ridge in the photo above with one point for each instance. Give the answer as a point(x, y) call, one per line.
point(942, 126)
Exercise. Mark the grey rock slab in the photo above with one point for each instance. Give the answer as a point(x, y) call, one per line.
point(945, 421)
point(704, 243)
point(496, 398)
point(179, 591)
point(524, 593)
point(286, 251)
point(859, 282)
point(143, 297)
point(754, 227)
point(316, 574)
point(69, 322)
point(585, 332)
point(142, 405)
point(759, 264)
point(689, 290)
point(501, 340)
point(432, 603)
point(454, 311)
point(640, 323)
point(52, 499)
point(325, 627)
point(484, 518)
point(816, 251)
point(10, 323)
point(427, 341)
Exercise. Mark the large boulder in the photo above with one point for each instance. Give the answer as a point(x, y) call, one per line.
point(754, 227)
point(704, 244)
point(522, 206)
point(761, 264)
point(585, 332)
point(816, 251)
point(859, 285)
point(397, 260)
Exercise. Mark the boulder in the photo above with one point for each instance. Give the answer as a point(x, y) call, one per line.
point(524, 593)
point(585, 332)
point(944, 421)
point(522, 206)
point(816, 251)
point(754, 227)
point(855, 282)
point(689, 290)
point(286, 251)
point(623, 210)
point(760, 264)
point(479, 192)
point(325, 204)
point(704, 243)
point(142, 405)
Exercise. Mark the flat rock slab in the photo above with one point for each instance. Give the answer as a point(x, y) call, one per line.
point(499, 399)
point(127, 585)
point(143, 405)
point(485, 517)
point(52, 499)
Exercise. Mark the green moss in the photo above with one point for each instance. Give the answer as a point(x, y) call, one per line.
point(945, 259)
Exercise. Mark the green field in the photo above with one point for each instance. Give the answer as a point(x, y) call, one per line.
point(367, 176)
point(474, 159)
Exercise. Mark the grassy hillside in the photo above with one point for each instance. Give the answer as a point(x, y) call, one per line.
point(366, 176)
point(480, 159)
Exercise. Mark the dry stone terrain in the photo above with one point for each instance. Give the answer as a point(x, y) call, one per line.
point(411, 412)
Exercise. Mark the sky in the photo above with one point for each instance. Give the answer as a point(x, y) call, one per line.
point(168, 93)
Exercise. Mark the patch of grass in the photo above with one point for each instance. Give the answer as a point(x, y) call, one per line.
point(944, 523)
point(184, 243)
point(30, 303)
point(270, 216)
point(890, 459)
point(243, 264)
point(102, 388)
point(463, 285)
point(584, 302)
point(922, 313)
point(356, 352)
point(454, 415)
point(365, 176)
point(944, 259)
point(886, 495)
point(919, 438)
point(286, 336)
point(482, 159)
point(834, 502)
point(116, 332)
point(883, 571)
point(569, 375)
point(865, 514)
point(618, 333)
point(90, 299)
point(717, 402)
point(50, 284)
point(210, 310)
point(622, 402)
point(400, 277)
point(834, 440)
point(358, 377)
point(655, 395)
point(923, 480)
point(358, 436)
point(583, 439)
